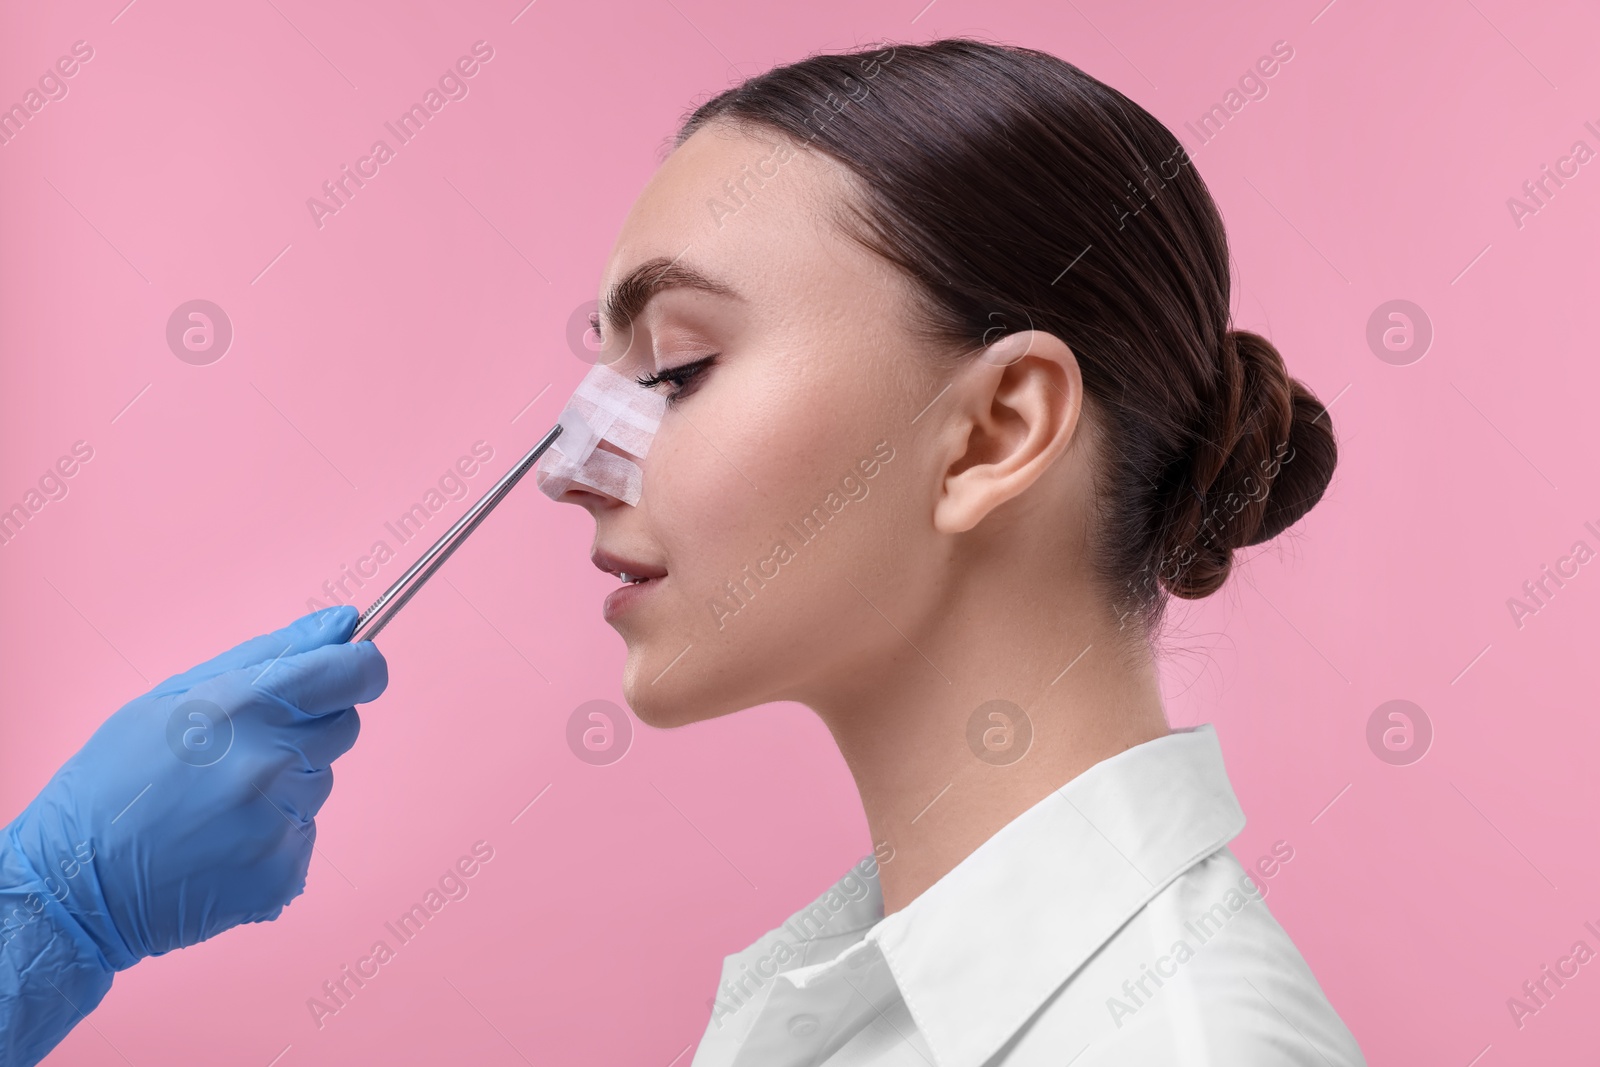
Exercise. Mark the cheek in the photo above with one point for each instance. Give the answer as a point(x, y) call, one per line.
point(744, 506)
point(725, 473)
point(709, 520)
point(701, 493)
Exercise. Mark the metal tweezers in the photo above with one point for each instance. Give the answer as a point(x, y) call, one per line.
point(394, 598)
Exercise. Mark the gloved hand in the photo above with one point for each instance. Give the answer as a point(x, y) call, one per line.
point(190, 810)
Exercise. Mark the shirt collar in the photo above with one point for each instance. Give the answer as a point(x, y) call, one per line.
point(980, 950)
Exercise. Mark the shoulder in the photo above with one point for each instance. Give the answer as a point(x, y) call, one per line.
point(1202, 974)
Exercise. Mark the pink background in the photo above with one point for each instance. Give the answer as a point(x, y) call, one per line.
point(432, 312)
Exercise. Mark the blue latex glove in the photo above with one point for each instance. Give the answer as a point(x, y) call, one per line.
point(187, 812)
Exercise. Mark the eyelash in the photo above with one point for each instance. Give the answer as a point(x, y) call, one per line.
point(677, 376)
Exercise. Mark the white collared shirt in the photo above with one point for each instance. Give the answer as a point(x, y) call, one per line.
point(1108, 924)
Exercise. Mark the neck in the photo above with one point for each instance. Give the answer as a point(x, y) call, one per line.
point(942, 765)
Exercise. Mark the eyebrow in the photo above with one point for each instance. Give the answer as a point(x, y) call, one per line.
point(627, 299)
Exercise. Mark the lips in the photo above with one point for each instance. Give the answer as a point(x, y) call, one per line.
point(620, 565)
point(642, 579)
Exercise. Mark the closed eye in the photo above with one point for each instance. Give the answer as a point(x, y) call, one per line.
point(680, 377)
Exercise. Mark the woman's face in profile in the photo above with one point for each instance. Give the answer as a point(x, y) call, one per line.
point(800, 427)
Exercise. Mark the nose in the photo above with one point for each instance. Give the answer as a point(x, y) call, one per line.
point(596, 474)
point(609, 421)
point(596, 498)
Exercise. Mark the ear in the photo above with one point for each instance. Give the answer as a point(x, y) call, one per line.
point(1018, 403)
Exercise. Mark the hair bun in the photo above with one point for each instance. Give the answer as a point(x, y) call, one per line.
point(1265, 457)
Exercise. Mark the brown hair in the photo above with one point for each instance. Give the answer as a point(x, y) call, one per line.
point(1018, 192)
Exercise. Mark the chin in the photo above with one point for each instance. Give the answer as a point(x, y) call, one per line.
point(657, 704)
point(671, 702)
point(659, 710)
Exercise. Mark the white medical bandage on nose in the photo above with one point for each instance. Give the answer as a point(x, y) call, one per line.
point(606, 406)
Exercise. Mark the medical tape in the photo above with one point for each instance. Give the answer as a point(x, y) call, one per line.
point(606, 406)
